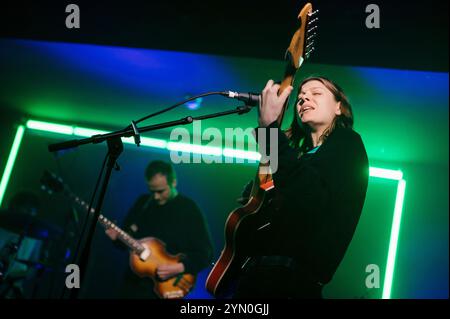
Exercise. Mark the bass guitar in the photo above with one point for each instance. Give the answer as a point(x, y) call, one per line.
point(146, 254)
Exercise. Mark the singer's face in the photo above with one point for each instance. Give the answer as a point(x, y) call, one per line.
point(159, 188)
point(320, 106)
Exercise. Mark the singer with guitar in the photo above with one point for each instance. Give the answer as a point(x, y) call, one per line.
point(171, 218)
point(320, 182)
point(300, 212)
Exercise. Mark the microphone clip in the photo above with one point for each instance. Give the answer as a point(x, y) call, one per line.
point(136, 135)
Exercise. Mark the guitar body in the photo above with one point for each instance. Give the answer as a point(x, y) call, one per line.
point(244, 224)
point(240, 239)
point(176, 287)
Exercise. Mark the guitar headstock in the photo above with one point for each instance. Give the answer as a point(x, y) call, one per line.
point(51, 183)
point(300, 48)
point(302, 42)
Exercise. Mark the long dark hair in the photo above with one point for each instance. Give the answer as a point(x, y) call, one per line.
point(300, 135)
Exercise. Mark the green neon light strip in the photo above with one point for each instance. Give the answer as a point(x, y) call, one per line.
point(145, 141)
point(192, 148)
point(182, 147)
point(396, 175)
point(11, 160)
point(229, 152)
point(50, 127)
point(385, 173)
point(395, 231)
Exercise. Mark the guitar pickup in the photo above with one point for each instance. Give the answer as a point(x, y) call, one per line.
point(144, 255)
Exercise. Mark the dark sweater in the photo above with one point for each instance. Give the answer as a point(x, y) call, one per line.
point(322, 196)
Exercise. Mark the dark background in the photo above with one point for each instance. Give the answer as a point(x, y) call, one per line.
point(404, 125)
point(412, 34)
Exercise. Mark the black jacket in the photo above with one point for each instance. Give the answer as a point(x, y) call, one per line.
point(322, 196)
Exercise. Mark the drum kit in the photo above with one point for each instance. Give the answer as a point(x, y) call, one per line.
point(25, 225)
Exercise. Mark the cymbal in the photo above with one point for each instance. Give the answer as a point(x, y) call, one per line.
point(28, 225)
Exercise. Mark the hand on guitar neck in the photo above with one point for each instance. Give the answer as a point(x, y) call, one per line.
point(272, 103)
point(113, 234)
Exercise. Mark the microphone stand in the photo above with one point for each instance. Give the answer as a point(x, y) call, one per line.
point(115, 148)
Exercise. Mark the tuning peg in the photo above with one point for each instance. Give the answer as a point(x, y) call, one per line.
point(312, 29)
point(311, 32)
point(312, 36)
point(309, 44)
point(313, 21)
point(308, 53)
point(313, 13)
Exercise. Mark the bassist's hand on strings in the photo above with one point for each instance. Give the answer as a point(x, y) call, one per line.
point(166, 271)
point(271, 104)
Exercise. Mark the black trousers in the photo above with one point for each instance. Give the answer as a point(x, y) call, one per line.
point(134, 287)
point(276, 281)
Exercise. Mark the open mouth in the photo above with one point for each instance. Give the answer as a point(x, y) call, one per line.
point(305, 109)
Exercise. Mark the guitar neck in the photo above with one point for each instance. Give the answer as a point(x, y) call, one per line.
point(123, 236)
point(288, 80)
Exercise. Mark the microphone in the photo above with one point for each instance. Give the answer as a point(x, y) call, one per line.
point(250, 99)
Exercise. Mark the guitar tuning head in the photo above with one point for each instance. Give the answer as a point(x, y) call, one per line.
point(311, 29)
point(312, 21)
point(308, 53)
point(311, 32)
point(309, 45)
point(311, 37)
point(315, 12)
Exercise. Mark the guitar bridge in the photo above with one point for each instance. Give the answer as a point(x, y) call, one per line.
point(177, 294)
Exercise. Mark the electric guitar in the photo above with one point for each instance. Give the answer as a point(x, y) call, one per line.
point(244, 222)
point(145, 254)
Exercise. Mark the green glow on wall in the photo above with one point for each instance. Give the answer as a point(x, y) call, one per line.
point(11, 160)
point(217, 151)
